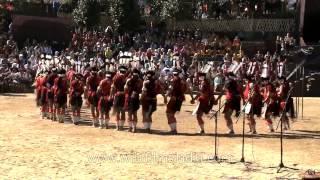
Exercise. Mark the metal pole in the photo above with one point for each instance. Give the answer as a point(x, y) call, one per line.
point(215, 137)
point(215, 116)
point(219, 104)
point(302, 92)
point(281, 165)
point(296, 95)
point(243, 124)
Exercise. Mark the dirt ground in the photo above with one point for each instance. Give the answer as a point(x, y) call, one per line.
point(31, 148)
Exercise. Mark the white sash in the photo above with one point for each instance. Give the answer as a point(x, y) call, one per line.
point(280, 69)
point(194, 112)
point(265, 71)
point(247, 108)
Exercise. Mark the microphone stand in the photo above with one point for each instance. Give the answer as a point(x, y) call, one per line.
point(281, 165)
point(215, 116)
point(243, 124)
point(216, 158)
point(242, 150)
point(243, 129)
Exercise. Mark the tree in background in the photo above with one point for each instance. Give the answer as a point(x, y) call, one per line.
point(163, 10)
point(93, 13)
point(87, 13)
point(80, 13)
point(156, 6)
point(124, 14)
point(115, 10)
point(169, 9)
point(6, 9)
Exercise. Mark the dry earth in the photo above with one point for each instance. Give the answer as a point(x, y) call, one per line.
point(31, 148)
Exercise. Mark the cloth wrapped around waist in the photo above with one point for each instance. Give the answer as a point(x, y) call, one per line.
point(174, 104)
point(119, 100)
point(93, 98)
point(76, 100)
point(149, 104)
point(105, 102)
point(132, 103)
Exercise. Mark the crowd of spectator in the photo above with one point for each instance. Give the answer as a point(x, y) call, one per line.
point(183, 48)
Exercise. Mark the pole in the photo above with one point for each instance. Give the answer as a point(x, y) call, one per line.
point(302, 92)
point(215, 136)
point(219, 104)
point(215, 116)
point(243, 124)
point(296, 95)
point(302, 4)
point(281, 165)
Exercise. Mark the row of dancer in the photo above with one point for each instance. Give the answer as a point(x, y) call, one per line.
point(127, 90)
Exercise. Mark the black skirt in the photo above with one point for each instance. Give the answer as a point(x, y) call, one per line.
point(50, 95)
point(119, 101)
point(93, 99)
point(133, 104)
point(61, 100)
point(76, 101)
point(105, 105)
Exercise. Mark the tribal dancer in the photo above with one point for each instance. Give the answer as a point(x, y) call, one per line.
point(76, 91)
point(232, 103)
point(269, 103)
point(105, 100)
point(132, 102)
point(150, 89)
point(253, 103)
point(60, 95)
point(50, 83)
point(92, 87)
point(206, 100)
point(176, 93)
point(117, 91)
